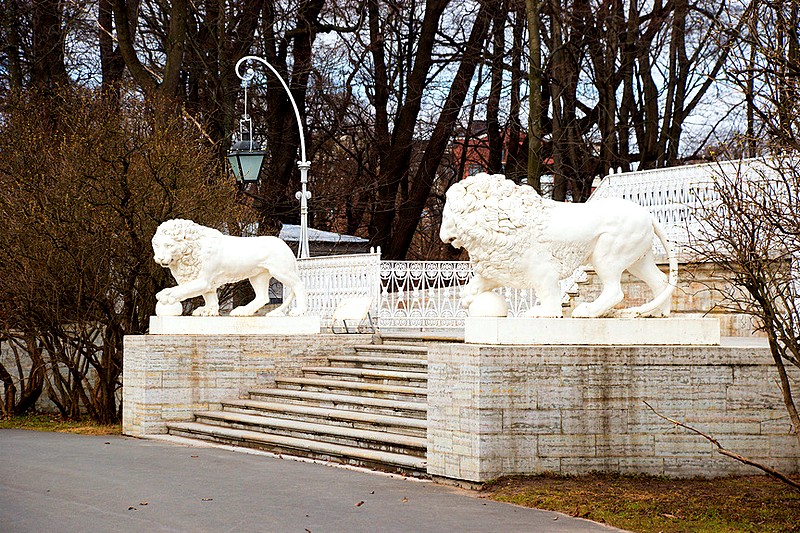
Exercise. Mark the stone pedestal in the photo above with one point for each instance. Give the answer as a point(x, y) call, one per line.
point(592, 331)
point(502, 410)
point(234, 325)
point(168, 377)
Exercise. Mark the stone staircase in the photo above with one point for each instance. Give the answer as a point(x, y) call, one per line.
point(367, 408)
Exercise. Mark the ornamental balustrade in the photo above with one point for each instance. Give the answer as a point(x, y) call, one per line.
point(405, 294)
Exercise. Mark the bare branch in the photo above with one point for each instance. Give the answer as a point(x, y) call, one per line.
point(742, 459)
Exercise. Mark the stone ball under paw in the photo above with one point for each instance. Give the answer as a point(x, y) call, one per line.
point(488, 304)
point(174, 309)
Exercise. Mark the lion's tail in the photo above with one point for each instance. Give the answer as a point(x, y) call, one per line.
point(672, 282)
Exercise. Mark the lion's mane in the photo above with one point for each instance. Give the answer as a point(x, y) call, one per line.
point(194, 238)
point(499, 221)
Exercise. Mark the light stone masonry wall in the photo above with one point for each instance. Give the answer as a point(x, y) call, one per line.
point(167, 377)
point(497, 410)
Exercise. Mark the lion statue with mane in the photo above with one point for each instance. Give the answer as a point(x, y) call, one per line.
point(203, 259)
point(516, 238)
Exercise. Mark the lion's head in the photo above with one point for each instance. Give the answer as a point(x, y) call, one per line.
point(488, 209)
point(176, 245)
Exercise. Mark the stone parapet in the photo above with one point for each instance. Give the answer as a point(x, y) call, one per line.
point(234, 325)
point(594, 331)
point(168, 377)
point(499, 410)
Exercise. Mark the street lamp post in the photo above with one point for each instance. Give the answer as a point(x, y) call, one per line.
point(237, 155)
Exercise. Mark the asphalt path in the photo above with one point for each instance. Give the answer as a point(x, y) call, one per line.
point(58, 482)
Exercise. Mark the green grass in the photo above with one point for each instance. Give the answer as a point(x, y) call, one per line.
point(647, 503)
point(47, 422)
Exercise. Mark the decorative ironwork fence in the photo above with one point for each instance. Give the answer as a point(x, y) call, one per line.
point(406, 294)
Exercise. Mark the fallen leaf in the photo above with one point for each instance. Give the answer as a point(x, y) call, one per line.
point(404, 500)
point(373, 492)
point(667, 515)
point(143, 503)
point(131, 508)
point(555, 518)
point(106, 443)
point(206, 499)
point(194, 456)
point(359, 504)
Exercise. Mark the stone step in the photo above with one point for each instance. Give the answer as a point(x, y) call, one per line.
point(375, 362)
point(423, 337)
point(354, 388)
point(355, 419)
point(368, 375)
point(325, 451)
point(411, 409)
point(394, 350)
point(336, 434)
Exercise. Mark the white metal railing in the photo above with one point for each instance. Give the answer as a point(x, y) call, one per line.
point(405, 294)
point(422, 293)
point(331, 279)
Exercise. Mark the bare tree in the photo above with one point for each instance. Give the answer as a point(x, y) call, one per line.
point(751, 233)
point(76, 228)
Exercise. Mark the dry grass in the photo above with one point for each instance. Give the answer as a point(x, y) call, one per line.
point(47, 422)
point(650, 504)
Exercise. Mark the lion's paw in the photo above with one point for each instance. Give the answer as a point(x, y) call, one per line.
point(167, 296)
point(277, 312)
point(583, 311)
point(242, 310)
point(206, 311)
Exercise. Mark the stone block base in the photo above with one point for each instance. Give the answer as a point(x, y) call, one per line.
point(168, 377)
point(234, 325)
point(503, 410)
point(592, 331)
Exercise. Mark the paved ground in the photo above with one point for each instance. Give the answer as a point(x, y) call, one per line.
point(61, 482)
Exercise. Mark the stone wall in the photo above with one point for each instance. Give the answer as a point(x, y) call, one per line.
point(167, 377)
point(495, 410)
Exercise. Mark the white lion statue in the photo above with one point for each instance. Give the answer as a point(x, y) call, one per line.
point(516, 238)
point(203, 259)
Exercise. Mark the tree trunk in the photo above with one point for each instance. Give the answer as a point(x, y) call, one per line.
point(495, 163)
point(411, 210)
point(533, 8)
point(394, 164)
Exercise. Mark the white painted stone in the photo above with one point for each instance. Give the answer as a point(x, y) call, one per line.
point(203, 259)
point(239, 325)
point(516, 238)
point(488, 303)
point(592, 331)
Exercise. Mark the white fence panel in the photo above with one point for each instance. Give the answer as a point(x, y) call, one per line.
point(427, 294)
point(331, 279)
point(422, 294)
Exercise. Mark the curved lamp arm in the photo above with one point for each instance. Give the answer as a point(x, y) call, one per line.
point(248, 75)
point(304, 195)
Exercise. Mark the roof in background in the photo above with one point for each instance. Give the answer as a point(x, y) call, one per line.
point(291, 233)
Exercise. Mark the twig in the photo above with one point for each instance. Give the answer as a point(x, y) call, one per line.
point(160, 79)
point(742, 459)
